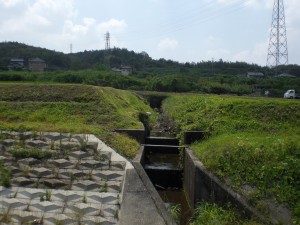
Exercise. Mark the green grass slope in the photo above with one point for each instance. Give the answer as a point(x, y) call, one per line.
point(72, 108)
point(254, 144)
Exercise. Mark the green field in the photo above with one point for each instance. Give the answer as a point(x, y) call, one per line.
point(72, 108)
point(253, 144)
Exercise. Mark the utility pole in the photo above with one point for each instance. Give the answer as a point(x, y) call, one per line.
point(277, 51)
point(71, 48)
point(107, 41)
point(212, 67)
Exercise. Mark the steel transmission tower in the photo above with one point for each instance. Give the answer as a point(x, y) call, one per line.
point(107, 40)
point(278, 51)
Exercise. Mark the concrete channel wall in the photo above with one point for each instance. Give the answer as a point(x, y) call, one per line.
point(138, 164)
point(201, 185)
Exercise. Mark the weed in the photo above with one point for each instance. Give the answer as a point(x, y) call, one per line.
point(70, 136)
point(84, 198)
point(99, 157)
point(46, 196)
point(116, 214)
point(175, 212)
point(5, 216)
point(59, 222)
point(83, 141)
point(20, 153)
point(72, 177)
point(118, 200)
point(60, 140)
point(90, 175)
point(55, 172)
point(78, 215)
point(211, 213)
point(52, 145)
point(5, 176)
point(37, 184)
point(26, 170)
point(27, 207)
point(77, 165)
point(103, 187)
point(66, 153)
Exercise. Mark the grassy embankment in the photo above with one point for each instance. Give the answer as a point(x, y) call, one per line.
point(72, 108)
point(254, 144)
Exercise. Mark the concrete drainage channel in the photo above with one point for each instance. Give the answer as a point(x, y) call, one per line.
point(160, 161)
point(163, 163)
point(173, 175)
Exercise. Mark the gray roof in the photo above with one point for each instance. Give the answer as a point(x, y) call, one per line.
point(36, 60)
point(255, 74)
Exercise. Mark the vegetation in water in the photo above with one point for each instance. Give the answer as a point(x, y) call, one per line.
point(175, 212)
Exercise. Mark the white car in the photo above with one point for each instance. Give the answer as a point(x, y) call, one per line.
point(290, 94)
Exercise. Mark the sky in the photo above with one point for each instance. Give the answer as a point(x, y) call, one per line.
point(183, 31)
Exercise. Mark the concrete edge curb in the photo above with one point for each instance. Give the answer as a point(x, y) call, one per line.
point(160, 205)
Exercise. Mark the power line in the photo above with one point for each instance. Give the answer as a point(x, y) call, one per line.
point(205, 13)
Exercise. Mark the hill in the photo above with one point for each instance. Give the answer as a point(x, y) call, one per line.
point(55, 60)
point(143, 65)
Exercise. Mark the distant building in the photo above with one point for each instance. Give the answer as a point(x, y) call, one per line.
point(16, 63)
point(255, 74)
point(125, 70)
point(37, 65)
point(286, 75)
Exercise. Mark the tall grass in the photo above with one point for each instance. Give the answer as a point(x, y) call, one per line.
point(212, 214)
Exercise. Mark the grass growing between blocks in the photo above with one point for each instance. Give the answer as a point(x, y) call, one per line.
point(253, 144)
point(72, 109)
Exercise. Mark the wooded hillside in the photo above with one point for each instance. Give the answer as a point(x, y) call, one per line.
point(142, 64)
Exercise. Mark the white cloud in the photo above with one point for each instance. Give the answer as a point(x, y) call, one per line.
point(168, 44)
point(70, 27)
point(89, 21)
point(227, 2)
point(54, 8)
point(257, 55)
point(112, 25)
point(10, 3)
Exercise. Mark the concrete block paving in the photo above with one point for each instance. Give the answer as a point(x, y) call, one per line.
point(81, 182)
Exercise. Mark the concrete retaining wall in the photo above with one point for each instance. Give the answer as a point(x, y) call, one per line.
point(202, 185)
